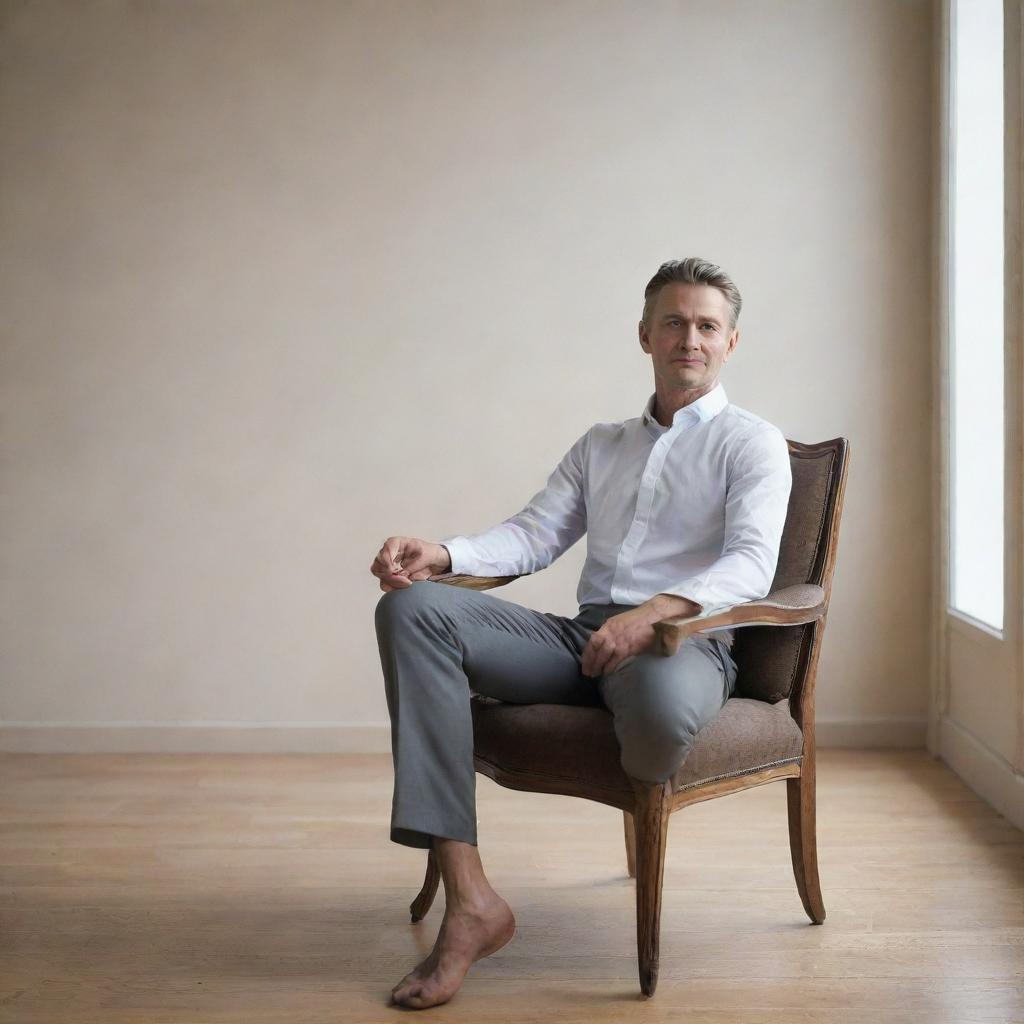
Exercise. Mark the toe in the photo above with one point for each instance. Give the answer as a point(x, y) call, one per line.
point(409, 993)
point(414, 976)
point(418, 1001)
point(434, 990)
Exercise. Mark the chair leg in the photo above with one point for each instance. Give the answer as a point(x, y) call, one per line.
point(650, 821)
point(803, 844)
point(419, 906)
point(627, 822)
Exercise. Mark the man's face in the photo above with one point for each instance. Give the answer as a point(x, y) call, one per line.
point(687, 336)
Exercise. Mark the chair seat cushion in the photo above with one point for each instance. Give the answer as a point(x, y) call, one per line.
point(576, 743)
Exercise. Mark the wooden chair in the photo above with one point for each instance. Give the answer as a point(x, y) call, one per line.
point(765, 733)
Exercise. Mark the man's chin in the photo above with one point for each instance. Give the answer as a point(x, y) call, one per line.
point(692, 376)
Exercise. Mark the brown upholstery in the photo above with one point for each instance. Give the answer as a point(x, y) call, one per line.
point(769, 658)
point(569, 742)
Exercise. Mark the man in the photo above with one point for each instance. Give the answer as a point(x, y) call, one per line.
point(683, 508)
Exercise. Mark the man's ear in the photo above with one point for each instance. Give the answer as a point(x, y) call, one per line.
point(734, 340)
point(642, 334)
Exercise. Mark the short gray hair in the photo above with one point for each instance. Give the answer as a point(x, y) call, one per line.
point(693, 270)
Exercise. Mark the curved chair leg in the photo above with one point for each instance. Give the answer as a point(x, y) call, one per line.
point(803, 843)
point(627, 823)
point(650, 821)
point(419, 906)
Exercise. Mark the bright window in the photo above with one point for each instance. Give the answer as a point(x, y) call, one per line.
point(976, 314)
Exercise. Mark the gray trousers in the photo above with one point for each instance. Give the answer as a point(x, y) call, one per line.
point(438, 642)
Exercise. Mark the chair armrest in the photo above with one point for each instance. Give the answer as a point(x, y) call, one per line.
point(455, 579)
point(790, 606)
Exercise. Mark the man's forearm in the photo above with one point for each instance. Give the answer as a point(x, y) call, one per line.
point(670, 606)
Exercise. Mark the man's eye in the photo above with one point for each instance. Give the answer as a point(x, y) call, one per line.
point(712, 326)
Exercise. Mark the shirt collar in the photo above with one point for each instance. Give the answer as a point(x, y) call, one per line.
point(706, 407)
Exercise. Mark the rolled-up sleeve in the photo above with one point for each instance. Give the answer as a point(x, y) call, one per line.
point(552, 521)
point(757, 500)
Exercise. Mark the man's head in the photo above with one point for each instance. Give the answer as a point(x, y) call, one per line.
point(694, 270)
point(689, 324)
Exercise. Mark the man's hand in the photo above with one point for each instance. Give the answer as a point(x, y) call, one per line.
point(630, 633)
point(404, 559)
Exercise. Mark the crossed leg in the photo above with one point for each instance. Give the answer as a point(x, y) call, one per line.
point(436, 643)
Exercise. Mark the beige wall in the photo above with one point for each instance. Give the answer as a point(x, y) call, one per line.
point(281, 279)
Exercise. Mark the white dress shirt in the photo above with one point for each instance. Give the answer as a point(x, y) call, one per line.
point(695, 509)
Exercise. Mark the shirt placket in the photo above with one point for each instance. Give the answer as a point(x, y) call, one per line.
point(622, 583)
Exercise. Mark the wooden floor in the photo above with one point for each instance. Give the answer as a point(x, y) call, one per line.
point(253, 888)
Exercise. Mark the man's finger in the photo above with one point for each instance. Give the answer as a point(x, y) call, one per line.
point(392, 552)
point(381, 564)
point(394, 578)
point(588, 658)
point(379, 569)
point(605, 658)
point(594, 653)
point(617, 664)
point(625, 661)
point(597, 643)
point(415, 565)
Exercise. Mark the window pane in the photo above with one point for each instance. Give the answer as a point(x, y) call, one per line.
point(976, 357)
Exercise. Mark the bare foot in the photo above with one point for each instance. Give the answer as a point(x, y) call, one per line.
point(464, 937)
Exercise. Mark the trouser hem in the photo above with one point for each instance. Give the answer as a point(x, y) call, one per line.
point(422, 838)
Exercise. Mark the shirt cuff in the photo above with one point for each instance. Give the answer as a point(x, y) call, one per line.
point(463, 562)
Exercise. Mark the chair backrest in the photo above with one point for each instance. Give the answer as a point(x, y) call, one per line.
point(776, 662)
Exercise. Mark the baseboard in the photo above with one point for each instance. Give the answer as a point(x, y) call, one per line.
point(988, 774)
point(332, 737)
point(195, 737)
point(879, 731)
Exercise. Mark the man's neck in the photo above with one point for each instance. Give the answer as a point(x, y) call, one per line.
point(668, 403)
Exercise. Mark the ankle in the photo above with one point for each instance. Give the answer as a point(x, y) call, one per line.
point(466, 887)
point(479, 903)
